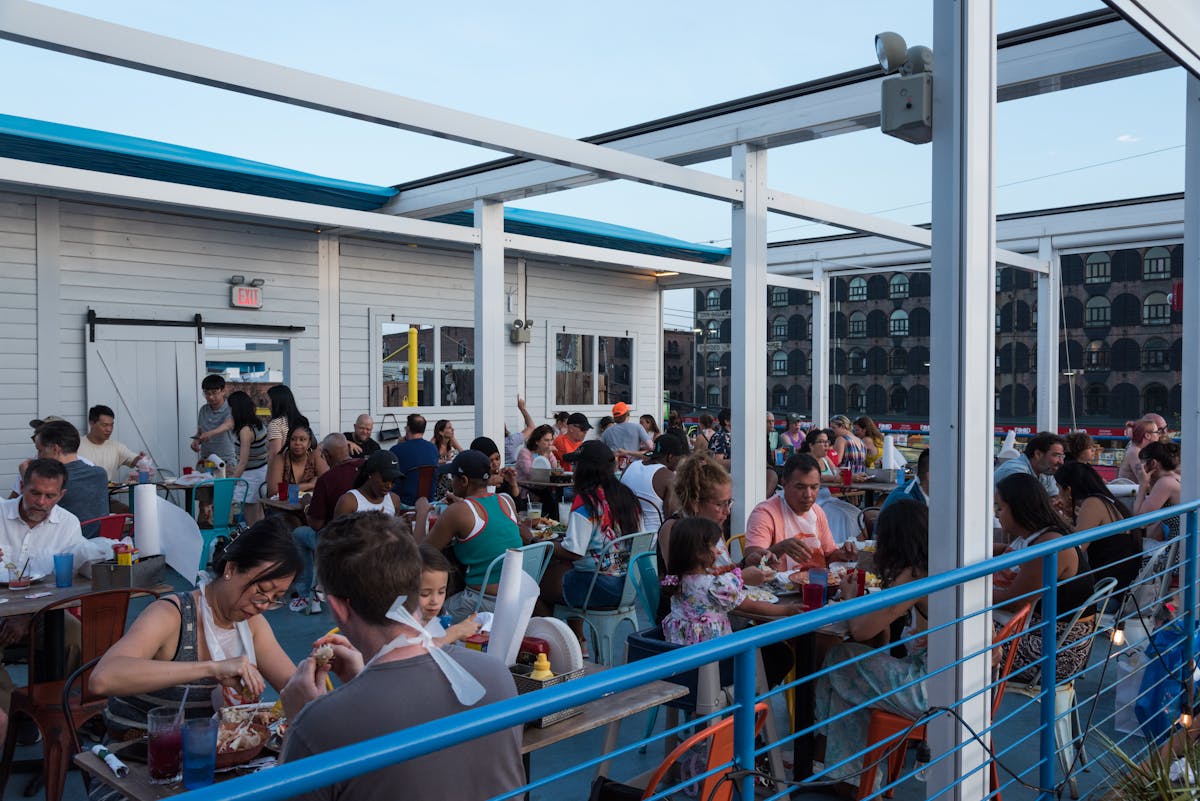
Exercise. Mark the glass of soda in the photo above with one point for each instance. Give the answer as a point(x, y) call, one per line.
point(164, 744)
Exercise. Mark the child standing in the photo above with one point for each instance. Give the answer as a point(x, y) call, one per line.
point(214, 422)
point(702, 594)
point(435, 574)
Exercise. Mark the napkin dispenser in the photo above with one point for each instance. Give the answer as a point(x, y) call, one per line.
point(145, 572)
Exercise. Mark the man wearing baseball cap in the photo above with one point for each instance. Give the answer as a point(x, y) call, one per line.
point(372, 491)
point(573, 437)
point(479, 526)
point(625, 437)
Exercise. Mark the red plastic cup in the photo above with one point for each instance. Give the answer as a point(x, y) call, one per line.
point(814, 595)
point(847, 476)
point(187, 471)
point(283, 490)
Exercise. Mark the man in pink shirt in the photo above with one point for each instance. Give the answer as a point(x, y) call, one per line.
point(790, 529)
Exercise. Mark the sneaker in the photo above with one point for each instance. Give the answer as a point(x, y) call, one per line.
point(319, 593)
point(298, 604)
point(314, 606)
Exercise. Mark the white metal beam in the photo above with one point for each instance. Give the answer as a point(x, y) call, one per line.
point(1048, 318)
point(822, 304)
point(1175, 26)
point(1190, 403)
point(489, 321)
point(75, 34)
point(329, 342)
point(748, 379)
point(963, 347)
point(1077, 56)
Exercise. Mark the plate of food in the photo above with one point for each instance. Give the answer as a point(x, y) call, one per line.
point(238, 743)
point(760, 594)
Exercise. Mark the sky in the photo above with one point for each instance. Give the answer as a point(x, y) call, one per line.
point(581, 69)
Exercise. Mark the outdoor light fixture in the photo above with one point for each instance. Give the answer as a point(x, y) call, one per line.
point(906, 102)
point(1118, 635)
point(1185, 716)
point(521, 333)
point(257, 282)
point(237, 280)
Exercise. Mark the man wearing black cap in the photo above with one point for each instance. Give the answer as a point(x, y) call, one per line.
point(372, 490)
point(479, 526)
point(651, 478)
point(573, 437)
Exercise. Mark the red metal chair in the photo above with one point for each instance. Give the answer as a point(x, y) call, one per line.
point(720, 750)
point(426, 474)
point(885, 727)
point(112, 526)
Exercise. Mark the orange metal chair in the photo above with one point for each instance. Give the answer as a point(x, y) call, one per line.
point(885, 727)
point(720, 750)
point(103, 622)
point(111, 526)
point(426, 474)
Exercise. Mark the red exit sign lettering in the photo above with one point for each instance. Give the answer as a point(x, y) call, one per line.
point(245, 297)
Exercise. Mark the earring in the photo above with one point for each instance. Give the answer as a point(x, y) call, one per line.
point(228, 576)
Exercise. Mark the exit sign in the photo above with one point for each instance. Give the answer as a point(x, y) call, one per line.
point(245, 297)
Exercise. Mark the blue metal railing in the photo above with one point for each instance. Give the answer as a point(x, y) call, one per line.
point(344, 763)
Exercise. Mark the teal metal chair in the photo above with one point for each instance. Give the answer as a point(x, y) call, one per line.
point(644, 569)
point(224, 490)
point(535, 558)
point(604, 622)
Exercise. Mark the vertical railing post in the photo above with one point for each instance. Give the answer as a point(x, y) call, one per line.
point(745, 679)
point(1187, 596)
point(1049, 747)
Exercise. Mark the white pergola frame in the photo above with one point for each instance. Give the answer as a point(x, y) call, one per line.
point(967, 82)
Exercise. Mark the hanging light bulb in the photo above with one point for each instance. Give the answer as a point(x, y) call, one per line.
point(1185, 716)
point(1118, 635)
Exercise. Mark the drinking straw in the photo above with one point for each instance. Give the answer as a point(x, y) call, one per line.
point(182, 703)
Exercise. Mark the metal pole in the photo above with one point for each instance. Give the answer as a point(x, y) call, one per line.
point(963, 338)
point(489, 321)
point(1048, 744)
point(1192, 549)
point(821, 307)
point(1048, 294)
point(1189, 433)
point(744, 679)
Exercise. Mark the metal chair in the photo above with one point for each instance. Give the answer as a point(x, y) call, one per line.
point(112, 527)
point(885, 727)
point(605, 621)
point(740, 541)
point(76, 692)
point(102, 616)
point(1067, 728)
point(535, 558)
point(223, 502)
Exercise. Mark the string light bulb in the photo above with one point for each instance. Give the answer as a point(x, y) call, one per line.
point(1118, 635)
point(1185, 716)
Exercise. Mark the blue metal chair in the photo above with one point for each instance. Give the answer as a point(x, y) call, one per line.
point(535, 558)
point(644, 569)
point(605, 622)
point(223, 494)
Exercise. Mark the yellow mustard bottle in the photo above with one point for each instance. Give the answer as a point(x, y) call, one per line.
point(541, 668)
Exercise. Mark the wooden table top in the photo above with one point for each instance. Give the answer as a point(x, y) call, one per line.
point(601, 712)
point(19, 603)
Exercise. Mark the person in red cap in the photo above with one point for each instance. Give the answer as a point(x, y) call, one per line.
point(626, 438)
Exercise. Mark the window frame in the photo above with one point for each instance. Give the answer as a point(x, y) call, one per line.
point(779, 327)
point(596, 406)
point(1163, 261)
point(778, 296)
point(1162, 315)
point(1094, 278)
point(775, 362)
point(852, 293)
point(859, 331)
point(897, 280)
point(712, 300)
point(376, 318)
point(1088, 308)
point(894, 330)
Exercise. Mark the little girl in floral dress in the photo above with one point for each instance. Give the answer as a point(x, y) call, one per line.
point(702, 594)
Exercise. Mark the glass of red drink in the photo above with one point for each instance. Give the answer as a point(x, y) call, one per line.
point(164, 745)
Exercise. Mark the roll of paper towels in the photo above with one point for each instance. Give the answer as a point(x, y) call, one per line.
point(146, 526)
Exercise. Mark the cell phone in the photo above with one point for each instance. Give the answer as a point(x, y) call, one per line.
point(134, 751)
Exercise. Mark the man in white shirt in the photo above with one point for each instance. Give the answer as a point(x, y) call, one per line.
point(33, 527)
point(101, 449)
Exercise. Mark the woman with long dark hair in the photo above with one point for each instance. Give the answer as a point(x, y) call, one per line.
point(299, 462)
point(284, 416)
point(1088, 503)
point(251, 438)
point(1027, 516)
point(603, 510)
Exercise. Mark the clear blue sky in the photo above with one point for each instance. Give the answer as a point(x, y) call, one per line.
point(575, 70)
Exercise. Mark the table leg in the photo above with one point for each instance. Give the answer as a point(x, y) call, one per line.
point(805, 653)
point(610, 743)
point(51, 667)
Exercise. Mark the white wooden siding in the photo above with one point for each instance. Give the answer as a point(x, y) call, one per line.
point(18, 331)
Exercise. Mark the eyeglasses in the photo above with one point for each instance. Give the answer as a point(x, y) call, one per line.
point(263, 601)
point(725, 504)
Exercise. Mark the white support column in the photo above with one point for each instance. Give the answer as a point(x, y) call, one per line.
point(821, 307)
point(47, 240)
point(329, 343)
point(963, 348)
point(748, 384)
point(1190, 407)
point(489, 321)
point(1049, 289)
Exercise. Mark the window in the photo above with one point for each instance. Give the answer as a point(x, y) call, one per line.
point(574, 365)
point(779, 296)
point(714, 396)
point(898, 324)
point(858, 288)
point(1098, 269)
point(1154, 355)
point(712, 301)
point(714, 331)
point(899, 400)
point(1097, 312)
point(779, 398)
point(614, 363)
point(1154, 399)
point(1095, 400)
point(898, 290)
point(898, 361)
point(458, 365)
point(1096, 355)
point(395, 364)
point(1156, 264)
point(714, 363)
point(858, 323)
point(857, 362)
point(779, 328)
point(779, 364)
point(857, 399)
point(1156, 309)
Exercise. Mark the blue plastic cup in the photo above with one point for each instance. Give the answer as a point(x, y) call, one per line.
point(143, 476)
point(64, 569)
point(199, 752)
point(293, 493)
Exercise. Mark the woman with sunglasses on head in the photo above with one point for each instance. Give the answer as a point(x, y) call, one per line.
point(1160, 487)
point(206, 640)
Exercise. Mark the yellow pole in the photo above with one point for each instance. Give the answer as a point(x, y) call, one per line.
point(411, 400)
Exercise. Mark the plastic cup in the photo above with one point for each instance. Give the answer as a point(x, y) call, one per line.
point(199, 752)
point(847, 476)
point(187, 471)
point(818, 575)
point(64, 569)
point(535, 509)
point(564, 511)
point(293, 493)
point(143, 476)
point(814, 595)
point(283, 490)
point(164, 744)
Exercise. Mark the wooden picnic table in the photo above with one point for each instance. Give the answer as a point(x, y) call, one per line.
point(299, 510)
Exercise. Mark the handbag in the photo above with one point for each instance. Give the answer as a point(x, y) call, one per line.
point(605, 789)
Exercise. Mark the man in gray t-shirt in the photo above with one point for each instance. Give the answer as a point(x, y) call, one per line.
point(398, 689)
point(625, 437)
